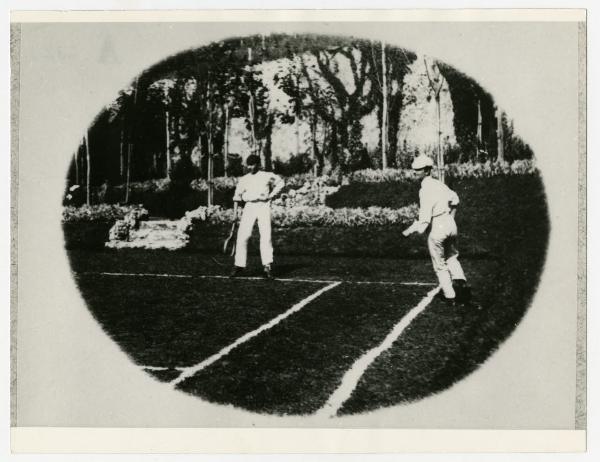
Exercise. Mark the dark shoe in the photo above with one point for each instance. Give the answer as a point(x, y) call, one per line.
point(463, 291)
point(448, 301)
point(268, 273)
point(237, 271)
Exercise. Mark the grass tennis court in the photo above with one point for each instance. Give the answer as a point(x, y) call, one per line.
point(287, 347)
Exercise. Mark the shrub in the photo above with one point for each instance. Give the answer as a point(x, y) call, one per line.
point(100, 212)
point(88, 227)
point(391, 195)
point(122, 228)
point(456, 170)
point(381, 176)
point(306, 216)
point(489, 169)
point(221, 183)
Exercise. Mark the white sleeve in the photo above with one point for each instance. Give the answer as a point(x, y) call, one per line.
point(454, 200)
point(239, 190)
point(277, 183)
point(425, 207)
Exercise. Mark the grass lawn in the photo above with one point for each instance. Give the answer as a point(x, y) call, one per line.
point(294, 366)
point(174, 322)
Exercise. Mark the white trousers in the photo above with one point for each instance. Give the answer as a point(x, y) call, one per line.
point(254, 211)
point(444, 255)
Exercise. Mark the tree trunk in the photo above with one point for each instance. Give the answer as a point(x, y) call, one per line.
point(210, 147)
point(251, 118)
point(267, 151)
point(251, 110)
point(297, 126)
point(440, 154)
point(394, 110)
point(479, 130)
point(500, 135)
point(76, 162)
point(130, 144)
point(316, 155)
point(226, 142)
point(343, 143)
point(128, 176)
point(88, 170)
point(334, 146)
point(384, 109)
point(167, 144)
point(209, 173)
point(121, 156)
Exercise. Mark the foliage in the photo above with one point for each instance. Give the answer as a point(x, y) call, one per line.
point(101, 212)
point(306, 216)
point(489, 169)
point(381, 176)
point(311, 192)
point(222, 183)
point(177, 113)
point(299, 164)
point(122, 228)
point(466, 95)
point(158, 185)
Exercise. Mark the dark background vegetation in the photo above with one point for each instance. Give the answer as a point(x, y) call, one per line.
point(150, 121)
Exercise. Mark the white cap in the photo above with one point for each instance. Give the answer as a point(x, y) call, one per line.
point(422, 161)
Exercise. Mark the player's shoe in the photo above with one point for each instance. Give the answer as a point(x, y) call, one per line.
point(463, 291)
point(448, 301)
point(267, 272)
point(237, 271)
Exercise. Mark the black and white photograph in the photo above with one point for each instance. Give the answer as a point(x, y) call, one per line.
point(336, 223)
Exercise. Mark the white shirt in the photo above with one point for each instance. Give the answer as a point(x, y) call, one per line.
point(435, 199)
point(259, 186)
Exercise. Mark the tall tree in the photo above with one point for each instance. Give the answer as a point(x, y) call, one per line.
point(88, 163)
point(159, 96)
point(120, 112)
point(436, 84)
point(131, 144)
point(76, 164)
point(341, 100)
point(500, 134)
point(384, 107)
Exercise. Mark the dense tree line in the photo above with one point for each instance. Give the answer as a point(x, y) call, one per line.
point(174, 120)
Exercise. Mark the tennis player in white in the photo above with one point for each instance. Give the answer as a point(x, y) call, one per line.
point(438, 205)
point(256, 190)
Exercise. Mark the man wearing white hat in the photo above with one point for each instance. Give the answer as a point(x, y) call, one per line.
point(437, 209)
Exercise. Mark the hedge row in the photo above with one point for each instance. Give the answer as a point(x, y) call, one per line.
point(97, 213)
point(304, 216)
point(226, 184)
point(373, 241)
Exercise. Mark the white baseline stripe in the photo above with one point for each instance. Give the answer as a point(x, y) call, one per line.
point(353, 375)
point(161, 368)
point(259, 278)
point(189, 371)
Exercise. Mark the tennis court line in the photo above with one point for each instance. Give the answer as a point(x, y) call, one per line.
point(160, 368)
point(354, 374)
point(190, 371)
point(259, 278)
